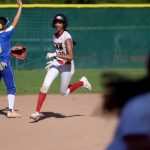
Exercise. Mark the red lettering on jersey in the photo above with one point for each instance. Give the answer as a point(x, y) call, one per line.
point(58, 46)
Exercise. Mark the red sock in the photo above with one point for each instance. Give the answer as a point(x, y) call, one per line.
point(41, 99)
point(75, 86)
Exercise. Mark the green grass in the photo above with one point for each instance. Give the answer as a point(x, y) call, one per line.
point(30, 81)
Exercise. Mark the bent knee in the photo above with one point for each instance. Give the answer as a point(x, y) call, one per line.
point(44, 89)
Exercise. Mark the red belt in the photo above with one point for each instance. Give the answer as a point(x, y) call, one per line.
point(64, 62)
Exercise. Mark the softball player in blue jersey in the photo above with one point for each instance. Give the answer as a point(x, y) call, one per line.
point(6, 73)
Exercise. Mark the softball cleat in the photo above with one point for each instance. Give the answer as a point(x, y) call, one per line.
point(35, 116)
point(13, 115)
point(86, 83)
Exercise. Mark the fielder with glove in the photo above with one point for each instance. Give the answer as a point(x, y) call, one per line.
point(6, 32)
point(61, 62)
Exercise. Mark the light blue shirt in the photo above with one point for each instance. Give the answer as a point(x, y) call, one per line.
point(134, 119)
point(5, 46)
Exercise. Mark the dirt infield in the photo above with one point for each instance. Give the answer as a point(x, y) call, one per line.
point(68, 123)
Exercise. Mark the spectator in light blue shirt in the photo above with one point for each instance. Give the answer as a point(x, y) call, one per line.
point(130, 100)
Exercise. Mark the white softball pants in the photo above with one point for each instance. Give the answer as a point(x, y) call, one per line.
point(66, 72)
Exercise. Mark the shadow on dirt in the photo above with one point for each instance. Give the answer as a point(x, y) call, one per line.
point(46, 115)
point(3, 111)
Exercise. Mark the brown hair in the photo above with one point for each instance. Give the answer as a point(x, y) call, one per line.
point(120, 90)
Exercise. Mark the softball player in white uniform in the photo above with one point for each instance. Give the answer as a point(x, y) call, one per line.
point(62, 64)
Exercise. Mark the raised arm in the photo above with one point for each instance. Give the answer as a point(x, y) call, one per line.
point(17, 17)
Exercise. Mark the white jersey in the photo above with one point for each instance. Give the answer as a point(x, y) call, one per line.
point(59, 44)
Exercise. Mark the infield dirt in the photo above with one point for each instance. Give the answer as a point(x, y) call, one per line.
point(68, 123)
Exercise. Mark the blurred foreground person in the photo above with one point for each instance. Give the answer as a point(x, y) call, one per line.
point(130, 100)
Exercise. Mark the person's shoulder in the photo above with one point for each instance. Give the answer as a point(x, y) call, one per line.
point(138, 103)
point(135, 116)
point(9, 28)
point(142, 98)
point(67, 33)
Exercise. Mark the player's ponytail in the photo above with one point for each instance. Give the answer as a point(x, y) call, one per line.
point(74, 42)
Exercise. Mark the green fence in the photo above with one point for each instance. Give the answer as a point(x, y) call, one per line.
point(106, 37)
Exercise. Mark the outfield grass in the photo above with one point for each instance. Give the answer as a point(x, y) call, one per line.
point(30, 81)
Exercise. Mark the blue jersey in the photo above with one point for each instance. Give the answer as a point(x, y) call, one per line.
point(134, 120)
point(5, 46)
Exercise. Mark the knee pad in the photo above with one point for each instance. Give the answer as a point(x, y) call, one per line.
point(44, 89)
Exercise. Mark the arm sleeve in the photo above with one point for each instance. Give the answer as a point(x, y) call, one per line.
point(67, 36)
point(9, 31)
